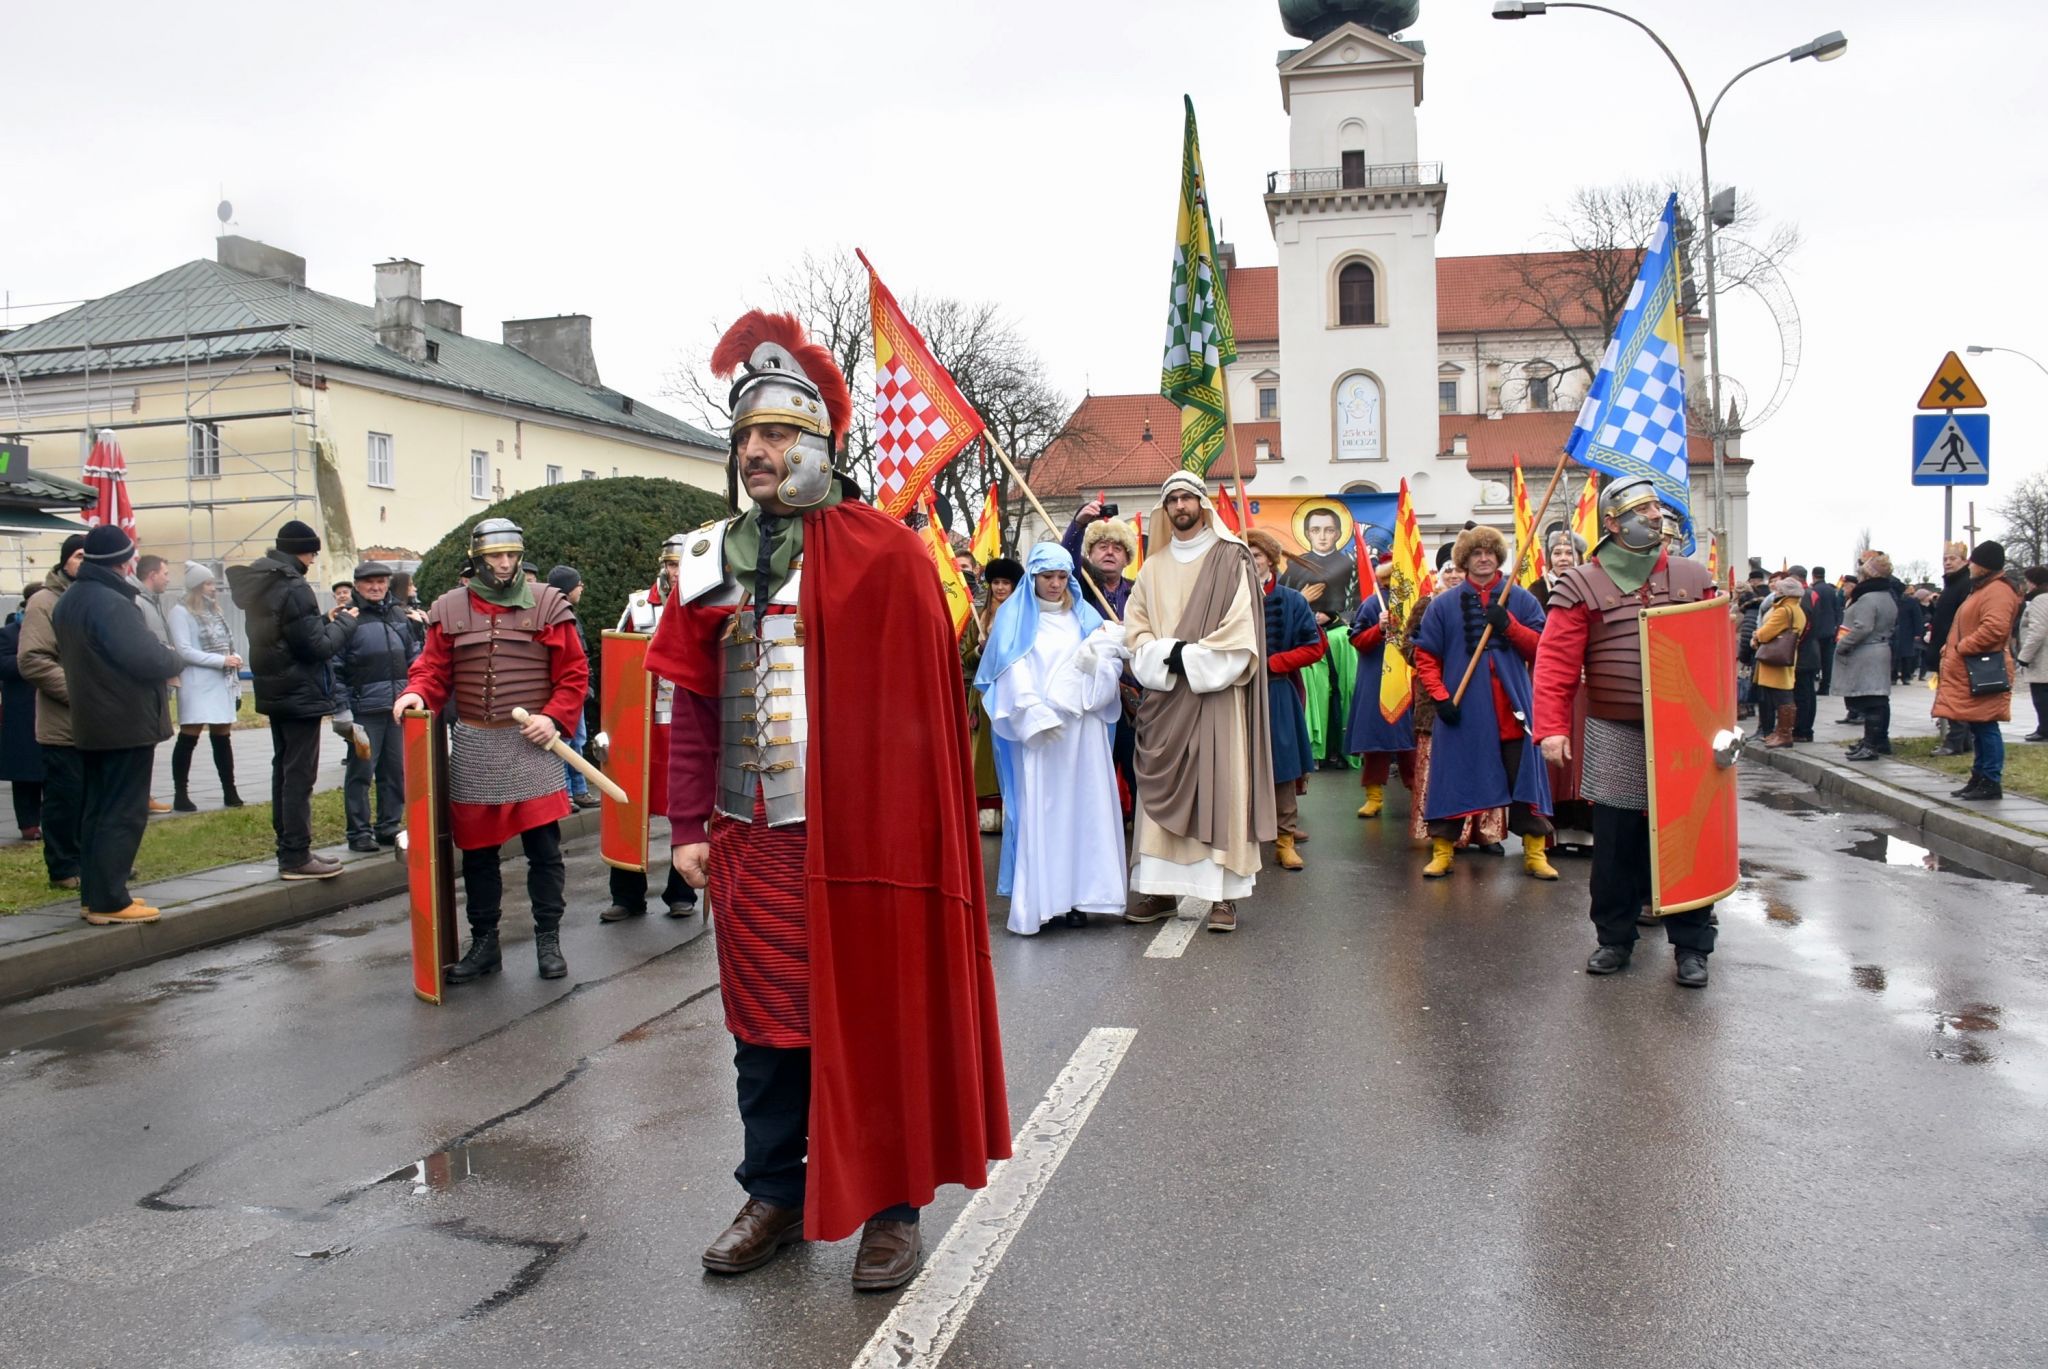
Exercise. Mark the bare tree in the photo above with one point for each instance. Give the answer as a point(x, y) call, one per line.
point(996, 369)
point(2024, 513)
point(1578, 283)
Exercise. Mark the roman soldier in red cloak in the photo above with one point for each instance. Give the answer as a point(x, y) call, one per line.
point(493, 645)
point(820, 784)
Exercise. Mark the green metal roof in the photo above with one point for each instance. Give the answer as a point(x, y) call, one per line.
point(41, 489)
point(204, 297)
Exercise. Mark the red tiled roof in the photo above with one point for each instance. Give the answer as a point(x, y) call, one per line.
point(1106, 446)
point(1254, 293)
point(1488, 294)
point(1491, 444)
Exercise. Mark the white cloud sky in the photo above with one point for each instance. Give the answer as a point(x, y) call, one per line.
point(649, 164)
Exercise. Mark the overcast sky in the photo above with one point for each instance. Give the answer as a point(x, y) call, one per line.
point(648, 164)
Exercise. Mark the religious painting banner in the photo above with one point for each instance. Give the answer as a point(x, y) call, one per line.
point(1320, 535)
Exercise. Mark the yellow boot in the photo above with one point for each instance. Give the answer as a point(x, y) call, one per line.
point(1533, 860)
point(1375, 799)
point(1440, 852)
point(1283, 846)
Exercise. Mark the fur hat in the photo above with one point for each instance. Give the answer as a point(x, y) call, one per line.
point(1267, 545)
point(1003, 568)
point(1479, 539)
point(1110, 530)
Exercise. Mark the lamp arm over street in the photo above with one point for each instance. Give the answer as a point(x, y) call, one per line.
point(1975, 350)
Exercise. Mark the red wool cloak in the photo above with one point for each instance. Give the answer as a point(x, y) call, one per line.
point(907, 1087)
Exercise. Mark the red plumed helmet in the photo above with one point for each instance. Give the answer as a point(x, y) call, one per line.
point(783, 376)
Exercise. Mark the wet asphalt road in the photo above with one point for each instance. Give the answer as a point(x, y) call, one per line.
point(1388, 1122)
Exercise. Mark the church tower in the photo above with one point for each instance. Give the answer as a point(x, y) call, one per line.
point(1354, 218)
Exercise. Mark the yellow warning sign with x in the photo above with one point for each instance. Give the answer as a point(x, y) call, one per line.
point(1952, 387)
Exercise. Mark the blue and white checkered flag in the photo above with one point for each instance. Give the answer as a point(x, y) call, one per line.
point(1633, 421)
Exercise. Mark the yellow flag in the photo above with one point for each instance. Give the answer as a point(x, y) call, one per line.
point(958, 602)
point(988, 532)
point(1528, 556)
point(1409, 582)
point(1586, 516)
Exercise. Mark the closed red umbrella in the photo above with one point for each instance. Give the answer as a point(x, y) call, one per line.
point(106, 472)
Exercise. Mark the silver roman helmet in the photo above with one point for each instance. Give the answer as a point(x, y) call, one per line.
point(494, 535)
point(1638, 512)
point(672, 550)
point(774, 389)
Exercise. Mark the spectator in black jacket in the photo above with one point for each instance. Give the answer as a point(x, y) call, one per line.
point(291, 651)
point(1906, 638)
point(1828, 607)
point(118, 676)
point(372, 665)
point(1806, 668)
point(1955, 587)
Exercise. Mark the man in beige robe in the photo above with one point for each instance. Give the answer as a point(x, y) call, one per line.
point(1195, 632)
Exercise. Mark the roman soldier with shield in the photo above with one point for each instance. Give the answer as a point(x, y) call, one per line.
point(1662, 804)
point(634, 715)
point(820, 784)
point(497, 647)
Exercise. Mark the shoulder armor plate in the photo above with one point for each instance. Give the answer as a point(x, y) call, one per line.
point(702, 570)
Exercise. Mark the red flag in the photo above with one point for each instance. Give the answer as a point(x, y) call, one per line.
point(1227, 508)
point(106, 471)
point(921, 419)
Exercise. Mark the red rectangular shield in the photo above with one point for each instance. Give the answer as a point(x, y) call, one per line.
point(429, 850)
point(625, 711)
point(1689, 711)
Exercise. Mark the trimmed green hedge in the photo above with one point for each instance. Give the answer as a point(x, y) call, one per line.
point(610, 530)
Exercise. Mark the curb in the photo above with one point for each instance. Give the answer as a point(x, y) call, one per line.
point(81, 953)
point(2025, 850)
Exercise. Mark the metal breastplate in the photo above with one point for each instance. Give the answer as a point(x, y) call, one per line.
point(764, 728)
point(1614, 658)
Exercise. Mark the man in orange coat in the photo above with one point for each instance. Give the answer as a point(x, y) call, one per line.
point(1982, 627)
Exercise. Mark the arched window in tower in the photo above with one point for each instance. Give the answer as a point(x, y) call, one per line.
point(1355, 303)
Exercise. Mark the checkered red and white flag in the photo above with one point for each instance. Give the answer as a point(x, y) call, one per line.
point(921, 419)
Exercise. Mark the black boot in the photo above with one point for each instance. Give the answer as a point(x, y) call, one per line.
point(181, 772)
point(224, 765)
point(480, 959)
point(547, 949)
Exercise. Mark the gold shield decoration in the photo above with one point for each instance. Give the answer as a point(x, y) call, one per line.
point(429, 850)
point(625, 710)
point(1689, 729)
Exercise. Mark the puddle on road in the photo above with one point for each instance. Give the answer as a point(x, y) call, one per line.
point(1784, 801)
point(505, 1160)
point(1890, 850)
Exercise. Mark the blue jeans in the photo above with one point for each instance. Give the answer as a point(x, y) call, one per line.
point(1990, 751)
point(578, 786)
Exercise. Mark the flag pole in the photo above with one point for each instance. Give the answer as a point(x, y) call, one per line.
point(1024, 485)
point(1521, 555)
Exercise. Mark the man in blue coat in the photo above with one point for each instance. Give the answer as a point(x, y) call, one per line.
point(1385, 744)
point(1293, 641)
point(1482, 755)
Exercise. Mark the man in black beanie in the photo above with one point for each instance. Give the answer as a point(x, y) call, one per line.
point(568, 581)
point(63, 769)
point(118, 676)
point(291, 650)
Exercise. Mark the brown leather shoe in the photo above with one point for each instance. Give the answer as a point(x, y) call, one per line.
point(1223, 917)
point(888, 1256)
point(760, 1230)
point(1152, 908)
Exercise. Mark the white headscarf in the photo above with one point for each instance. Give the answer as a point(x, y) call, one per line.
point(1160, 534)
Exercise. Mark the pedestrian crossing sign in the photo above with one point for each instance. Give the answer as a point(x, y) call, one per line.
point(1952, 449)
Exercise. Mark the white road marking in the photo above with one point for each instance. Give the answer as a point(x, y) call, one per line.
point(1179, 930)
point(922, 1325)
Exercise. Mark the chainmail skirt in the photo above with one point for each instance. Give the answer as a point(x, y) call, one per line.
point(495, 765)
point(1617, 765)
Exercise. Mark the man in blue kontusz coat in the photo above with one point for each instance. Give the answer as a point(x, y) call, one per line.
point(1482, 755)
point(1293, 641)
point(1385, 743)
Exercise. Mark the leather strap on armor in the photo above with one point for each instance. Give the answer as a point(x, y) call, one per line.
point(1614, 658)
point(500, 663)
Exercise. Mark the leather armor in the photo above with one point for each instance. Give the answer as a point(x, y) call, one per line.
point(500, 663)
point(1614, 658)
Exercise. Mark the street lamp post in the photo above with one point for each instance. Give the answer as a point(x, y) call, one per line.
point(1825, 48)
point(2010, 351)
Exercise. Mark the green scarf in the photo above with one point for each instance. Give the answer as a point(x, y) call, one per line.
point(1629, 570)
point(516, 594)
point(786, 544)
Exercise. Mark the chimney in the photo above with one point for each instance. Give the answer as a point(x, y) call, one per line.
point(259, 259)
point(401, 315)
point(1459, 447)
point(561, 343)
point(1226, 256)
point(443, 314)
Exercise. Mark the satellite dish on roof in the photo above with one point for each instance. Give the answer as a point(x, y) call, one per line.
point(223, 211)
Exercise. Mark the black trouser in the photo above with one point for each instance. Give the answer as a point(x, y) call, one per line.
point(775, 1112)
point(115, 811)
point(1523, 820)
point(2039, 691)
point(483, 881)
point(1876, 712)
point(28, 801)
point(386, 766)
point(1804, 703)
point(629, 888)
point(1621, 874)
point(63, 809)
point(1827, 664)
point(294, 760)
point(1768, 702)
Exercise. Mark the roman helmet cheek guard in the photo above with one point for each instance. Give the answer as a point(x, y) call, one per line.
point(1638, 514)
point(784, 378)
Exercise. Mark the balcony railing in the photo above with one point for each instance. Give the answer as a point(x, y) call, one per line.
point(1320, 178)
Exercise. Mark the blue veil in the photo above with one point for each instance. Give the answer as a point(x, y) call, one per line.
point(1011, 638)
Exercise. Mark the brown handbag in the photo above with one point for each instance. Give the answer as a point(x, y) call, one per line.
point(1782, 649)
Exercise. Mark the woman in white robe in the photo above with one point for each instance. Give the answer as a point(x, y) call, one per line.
point(1054, 704)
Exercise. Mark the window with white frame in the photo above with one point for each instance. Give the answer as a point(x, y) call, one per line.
point(554, 475)
point(383, 466)
point(1447, 396)
point(589, 475)
point(479, 475)
point(1269, 401)
point(1539, 391)
point(202, 451)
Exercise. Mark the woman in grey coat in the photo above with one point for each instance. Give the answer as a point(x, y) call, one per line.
point(1863, 655)
point(209, 691)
